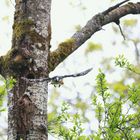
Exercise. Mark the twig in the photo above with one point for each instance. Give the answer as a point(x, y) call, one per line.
point(118, 23)
point(114, 7)
point(121, 31)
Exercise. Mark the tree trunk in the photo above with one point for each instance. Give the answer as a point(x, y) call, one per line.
point(27, 113)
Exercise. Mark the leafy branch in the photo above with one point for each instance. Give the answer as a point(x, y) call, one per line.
point(6, 85)
point(113, 121)
point(122, 62)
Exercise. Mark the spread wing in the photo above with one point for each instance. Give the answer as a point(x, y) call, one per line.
point(57, 79)
point(76, 74)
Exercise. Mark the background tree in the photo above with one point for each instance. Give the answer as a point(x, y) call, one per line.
point(28, 58)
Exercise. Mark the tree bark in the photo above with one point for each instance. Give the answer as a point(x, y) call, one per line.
point(95, 24)
point(27, 114)
point(30, 58)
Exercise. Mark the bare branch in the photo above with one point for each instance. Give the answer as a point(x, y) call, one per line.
point(114, 7)
point(93, 25)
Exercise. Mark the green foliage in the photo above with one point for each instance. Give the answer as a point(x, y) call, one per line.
point(117, 112)
point(134, 94)
point(92, 47)
point(10, 82)
point(101, 84)
point(58, 127)
point(130, 22)
point(114, 123)
point(119, 86)
point(2, 93)
point(4, 87)
point(78, 27)
point(5, 18)
point(122, 62)
point(136, 40)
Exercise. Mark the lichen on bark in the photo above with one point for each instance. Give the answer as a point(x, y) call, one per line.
point(21, 28)
point(61, 52)
point(31, 39)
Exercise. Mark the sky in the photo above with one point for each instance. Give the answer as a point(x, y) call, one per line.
point(65, 16)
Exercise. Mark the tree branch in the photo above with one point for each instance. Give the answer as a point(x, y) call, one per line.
point(95, 24)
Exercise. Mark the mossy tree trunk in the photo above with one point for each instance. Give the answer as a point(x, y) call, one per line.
point(27, 114)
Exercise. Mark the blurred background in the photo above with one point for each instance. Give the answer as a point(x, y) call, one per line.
point(68, 16)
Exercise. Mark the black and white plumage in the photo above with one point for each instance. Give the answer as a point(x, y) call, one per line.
point(71, 75)
point(58, 80)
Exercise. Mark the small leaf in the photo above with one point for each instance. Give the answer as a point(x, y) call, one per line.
point(77, 27)
point(130, 22)
point(5, 18)
point(3, 109)
point(119, 87)
point(2, 90)
point(92, 47)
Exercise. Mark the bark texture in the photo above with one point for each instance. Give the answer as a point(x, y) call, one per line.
point(27, 116)
point(95, 24)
